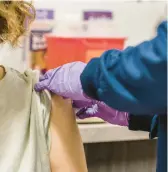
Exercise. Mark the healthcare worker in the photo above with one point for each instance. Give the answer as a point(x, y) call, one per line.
point(132, 80)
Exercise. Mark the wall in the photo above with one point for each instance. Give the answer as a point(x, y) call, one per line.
point(134, 20)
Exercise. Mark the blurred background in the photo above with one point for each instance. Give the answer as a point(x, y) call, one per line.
point(71, 30)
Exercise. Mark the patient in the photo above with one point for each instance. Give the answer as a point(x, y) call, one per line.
point(38, 131)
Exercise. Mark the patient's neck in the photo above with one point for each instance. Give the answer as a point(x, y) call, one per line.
point(2, 72)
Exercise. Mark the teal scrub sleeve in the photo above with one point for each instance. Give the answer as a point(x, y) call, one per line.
point(133, 80)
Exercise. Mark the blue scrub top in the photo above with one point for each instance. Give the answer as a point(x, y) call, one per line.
point(134, 80)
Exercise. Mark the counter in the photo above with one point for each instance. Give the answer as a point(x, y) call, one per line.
point(97, 133)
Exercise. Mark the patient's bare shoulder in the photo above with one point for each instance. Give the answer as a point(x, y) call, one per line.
point(67, 152)
point(2, 72)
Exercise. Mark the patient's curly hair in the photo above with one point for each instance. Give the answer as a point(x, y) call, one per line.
point(15, 18)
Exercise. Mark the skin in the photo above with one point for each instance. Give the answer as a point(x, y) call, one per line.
point(2, 72)
point(66, 151)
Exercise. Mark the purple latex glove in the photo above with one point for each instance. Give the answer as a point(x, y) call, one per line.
point(64, 81)
point(100, 110)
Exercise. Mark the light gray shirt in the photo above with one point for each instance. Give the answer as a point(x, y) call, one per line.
point(24, 119)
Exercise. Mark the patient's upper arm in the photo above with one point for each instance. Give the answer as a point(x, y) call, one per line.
point(67, 153)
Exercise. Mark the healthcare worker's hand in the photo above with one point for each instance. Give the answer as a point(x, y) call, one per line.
point(64, 81)
point(100, 110)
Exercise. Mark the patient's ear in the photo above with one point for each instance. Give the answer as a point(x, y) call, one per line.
point(2, 72)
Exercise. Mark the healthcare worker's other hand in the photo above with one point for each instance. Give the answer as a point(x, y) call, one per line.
point(64, 81)
point(100, 110)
